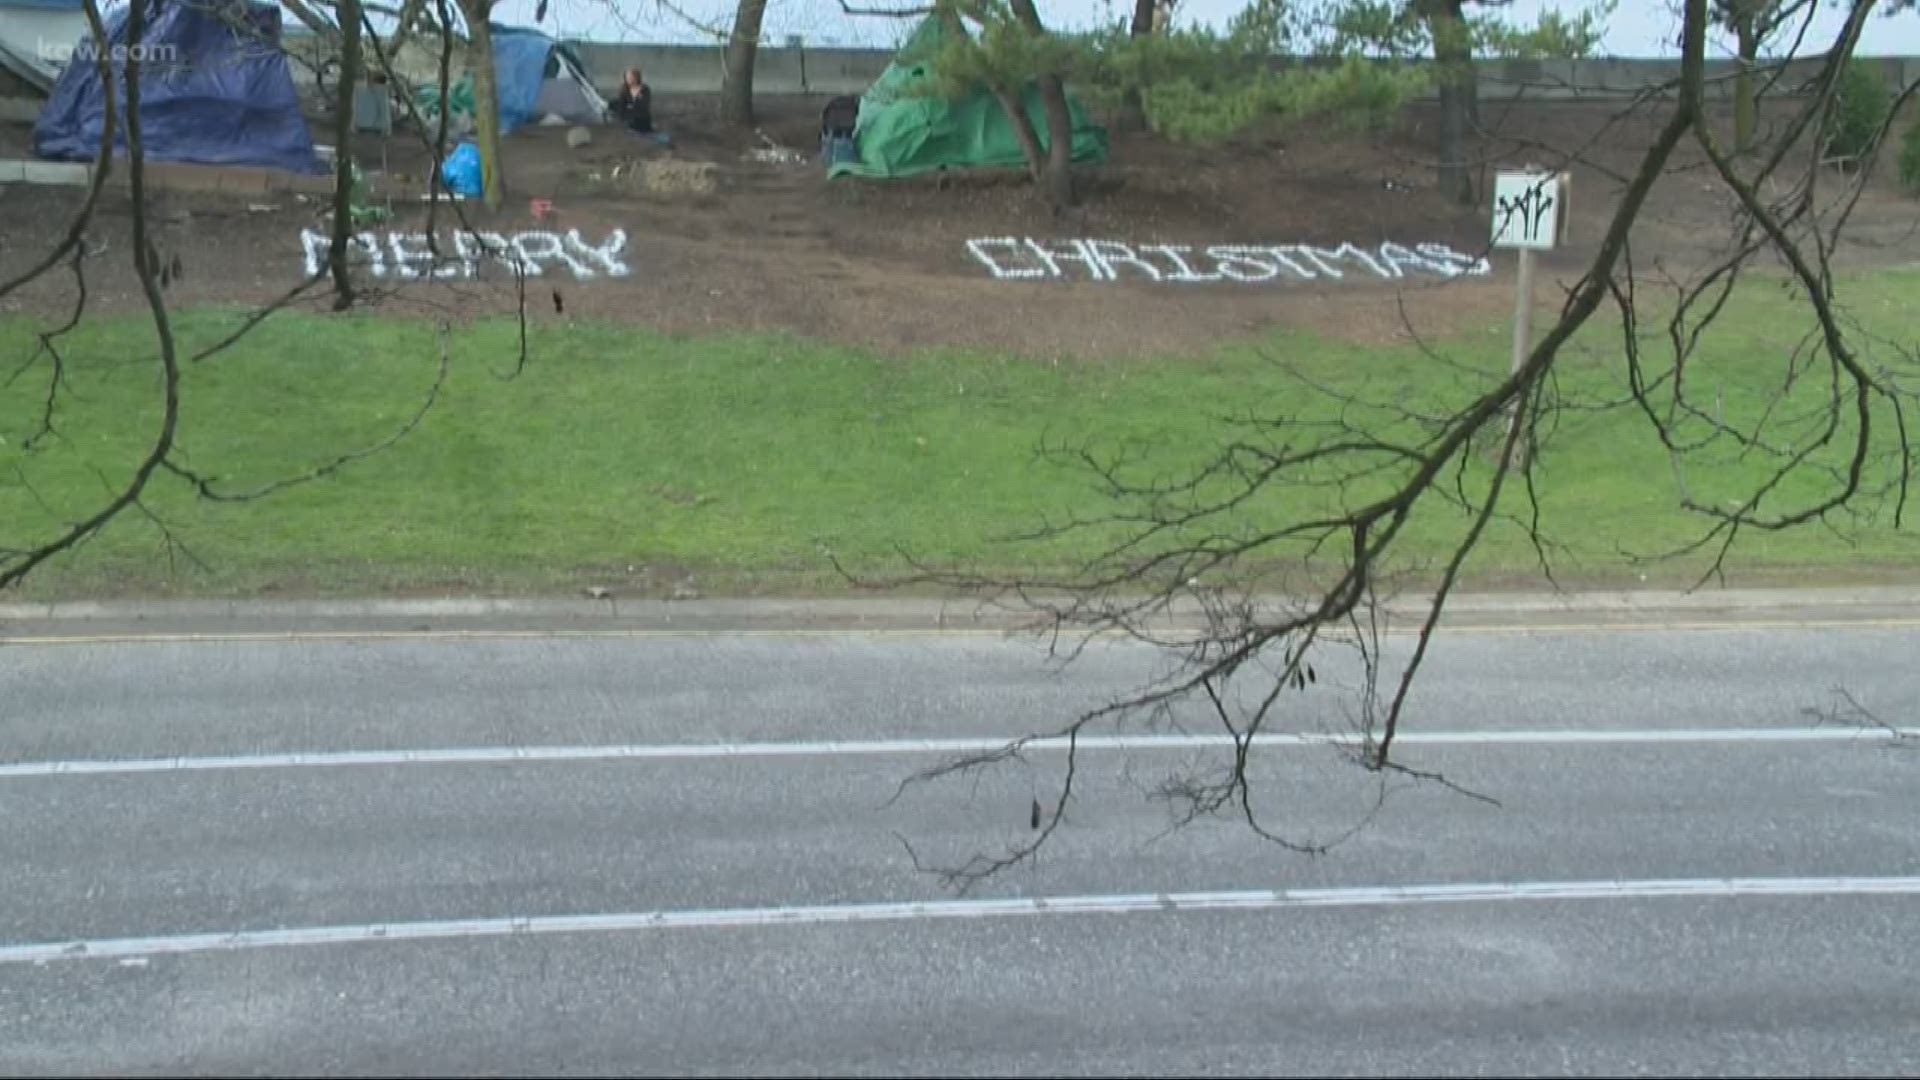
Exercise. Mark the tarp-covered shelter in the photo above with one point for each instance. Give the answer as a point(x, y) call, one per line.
point(538, 77)
point(905, 129)
point(214, 90)
point(36, 37)
point(534, 77)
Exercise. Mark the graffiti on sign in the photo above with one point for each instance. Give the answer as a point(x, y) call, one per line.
point(1023, 258)
point(1527, 210)
point(463, 254)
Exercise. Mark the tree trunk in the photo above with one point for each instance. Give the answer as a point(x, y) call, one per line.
point(1030, 147)
point(343, 192)
point(1054, 172)
point(1453, 173)
point(486, 100)
point(1133, 110)
point(1746, 88)
point(1459, 94)
point(1468, 84)
point(1010, 103)
point(1058, 179)
point(736, 81)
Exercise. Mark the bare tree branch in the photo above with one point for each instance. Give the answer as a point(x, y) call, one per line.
point(163, 450)
point(205, 487)
point(1330, 494)
point(15, 567)
point(102, 164)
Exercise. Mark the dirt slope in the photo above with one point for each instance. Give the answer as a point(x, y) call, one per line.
point(713, 239)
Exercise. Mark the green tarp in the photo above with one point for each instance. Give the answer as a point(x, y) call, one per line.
point(904, 130)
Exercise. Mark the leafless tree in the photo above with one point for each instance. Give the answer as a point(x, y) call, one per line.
point(155, 270)
point(1291, 537)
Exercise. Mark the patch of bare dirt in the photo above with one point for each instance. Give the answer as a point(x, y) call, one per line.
point(719, 238)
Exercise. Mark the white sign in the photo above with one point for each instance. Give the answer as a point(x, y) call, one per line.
point(1526, 210)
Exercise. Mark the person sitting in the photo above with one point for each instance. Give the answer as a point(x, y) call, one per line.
point(634, 103)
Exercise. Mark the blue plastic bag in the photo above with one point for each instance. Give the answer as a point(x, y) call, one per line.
point(461, 170)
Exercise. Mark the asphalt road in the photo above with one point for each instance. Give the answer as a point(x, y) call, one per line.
point(220, 858)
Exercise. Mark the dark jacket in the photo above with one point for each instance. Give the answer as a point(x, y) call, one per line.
point(634, 109)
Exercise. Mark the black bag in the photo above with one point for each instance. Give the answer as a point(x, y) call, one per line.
point(839, 117)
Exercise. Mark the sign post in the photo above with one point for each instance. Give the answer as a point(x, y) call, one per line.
point(1528, 216)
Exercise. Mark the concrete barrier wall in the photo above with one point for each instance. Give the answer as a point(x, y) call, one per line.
point(844, 71)
point(697, 69)
point(669, 69)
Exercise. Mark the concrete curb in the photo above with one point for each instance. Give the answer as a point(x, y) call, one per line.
point(73, 618)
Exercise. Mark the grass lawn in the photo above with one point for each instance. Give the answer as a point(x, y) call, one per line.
point(634, 460)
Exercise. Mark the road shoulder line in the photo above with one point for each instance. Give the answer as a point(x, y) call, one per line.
point(1538, 612)
point(136, 949)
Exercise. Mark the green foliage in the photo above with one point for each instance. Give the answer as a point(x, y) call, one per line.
point(1111, 62)
point(1910, 158)
point(1391, 27)
point(1860, 106)
point(1553, 36)
point(1757, 20)
point(1196, 84)
point(1356, 93)
point(999, 52)
point(1403, 29)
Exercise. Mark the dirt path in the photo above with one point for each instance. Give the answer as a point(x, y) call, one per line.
point(1175, 249)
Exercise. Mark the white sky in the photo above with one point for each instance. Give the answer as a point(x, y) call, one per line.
point(1638, 27)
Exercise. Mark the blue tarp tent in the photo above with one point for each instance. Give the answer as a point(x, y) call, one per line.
point(214, 90)
point(535, 75)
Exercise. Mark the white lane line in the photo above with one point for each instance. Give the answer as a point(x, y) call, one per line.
point(1733, 623)
point(723, 918)
point(498, 755)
